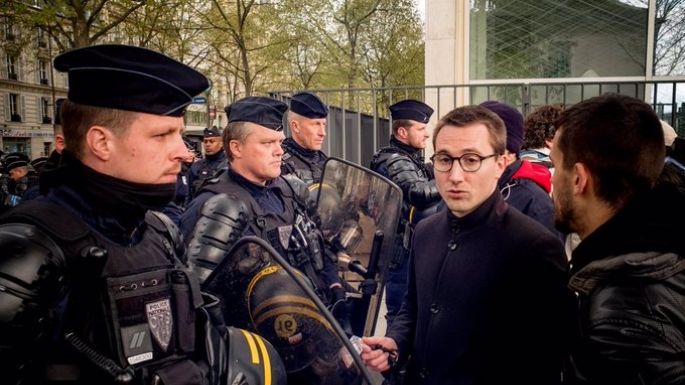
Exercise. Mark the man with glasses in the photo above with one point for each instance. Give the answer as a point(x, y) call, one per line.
point(401, 162)
point(485, 283)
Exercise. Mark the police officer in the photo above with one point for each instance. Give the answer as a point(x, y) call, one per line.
point(252, 198)
point(23, 180)
point(402, 163)
point(302, 152)
point(93, 287)
point(214, 160)
point(274, 204)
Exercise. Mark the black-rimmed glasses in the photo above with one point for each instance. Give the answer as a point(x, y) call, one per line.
point(468, 162)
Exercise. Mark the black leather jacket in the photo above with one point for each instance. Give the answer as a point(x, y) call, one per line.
point(404, 166)
point(629, 277)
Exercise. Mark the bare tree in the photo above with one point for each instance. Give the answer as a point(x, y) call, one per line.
point(669, 35)
point(73, 23)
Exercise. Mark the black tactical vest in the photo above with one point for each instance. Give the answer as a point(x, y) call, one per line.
point(129, 307)
point(282, 230)
point(304, 169)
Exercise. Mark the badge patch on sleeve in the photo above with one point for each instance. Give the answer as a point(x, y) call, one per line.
point(137, 343)
point(160, 321)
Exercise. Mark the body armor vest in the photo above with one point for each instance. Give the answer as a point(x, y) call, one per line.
point(304, 169)
point(307, 165)
point(291, 233)
point(378, 164)
point(129, 310)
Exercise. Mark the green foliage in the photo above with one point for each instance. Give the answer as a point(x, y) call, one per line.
point(250, 46)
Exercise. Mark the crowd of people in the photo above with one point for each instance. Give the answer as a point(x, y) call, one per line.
point(544, 249)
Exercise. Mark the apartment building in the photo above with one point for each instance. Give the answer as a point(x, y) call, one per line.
point(28, 89)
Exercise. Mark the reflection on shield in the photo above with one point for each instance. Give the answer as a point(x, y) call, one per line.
point(358, 210)
point(259, 294)
point(160, 321)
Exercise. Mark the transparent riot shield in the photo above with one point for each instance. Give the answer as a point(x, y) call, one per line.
point(259, 291)
point(357, 210)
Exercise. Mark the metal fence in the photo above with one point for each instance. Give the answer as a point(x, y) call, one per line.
point(359, 123)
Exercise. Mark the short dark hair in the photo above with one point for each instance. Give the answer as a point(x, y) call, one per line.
point(396, 124)
point(467, 115)
point(539, 126)
point(235, 131)
point(619, 139)
point(77, 119)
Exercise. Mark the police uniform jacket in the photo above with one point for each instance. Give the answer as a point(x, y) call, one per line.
point(204, 169)
point(417, 186)
point(305, 164)
point(629, 276)
point(274, 204)
point(486, 301)
point(99, 254)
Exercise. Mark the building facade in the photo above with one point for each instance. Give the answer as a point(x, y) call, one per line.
point(28, 89)
point(556, 49)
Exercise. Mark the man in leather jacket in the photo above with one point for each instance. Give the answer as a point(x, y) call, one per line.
point(402, 163)
point(302, 154)
point(628, 272)
point(94, 288)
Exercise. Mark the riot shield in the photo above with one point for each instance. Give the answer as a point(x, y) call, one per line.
point(357, 210)
point(259, 291)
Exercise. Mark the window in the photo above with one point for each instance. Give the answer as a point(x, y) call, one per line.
point(11, 62)
point(45, 110)
point(41, 38)
point(43, 72)
point(552, 39)
point(13, 111)
point(9, 30)
point(196, 117)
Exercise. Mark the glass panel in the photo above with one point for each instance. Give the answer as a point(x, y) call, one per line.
point(669, 50)
point(668, 100)
point(512, 39)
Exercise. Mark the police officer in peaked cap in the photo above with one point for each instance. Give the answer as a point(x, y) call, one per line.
point(94, 289)
point(302, 151)
point(402, 162)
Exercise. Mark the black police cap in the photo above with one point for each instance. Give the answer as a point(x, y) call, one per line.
point(38, 163)
point(412, 110)
point(16, 159)
point(130, 78)
point(308, 105)
point(266, 112)
point(210, 132)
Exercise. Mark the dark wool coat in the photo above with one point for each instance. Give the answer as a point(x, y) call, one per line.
point(487, 301)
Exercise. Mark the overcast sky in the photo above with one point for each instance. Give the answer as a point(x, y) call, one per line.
point(421, 5)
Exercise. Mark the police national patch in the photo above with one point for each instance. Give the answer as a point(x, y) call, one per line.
point(284, 233)
point(160, 321)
